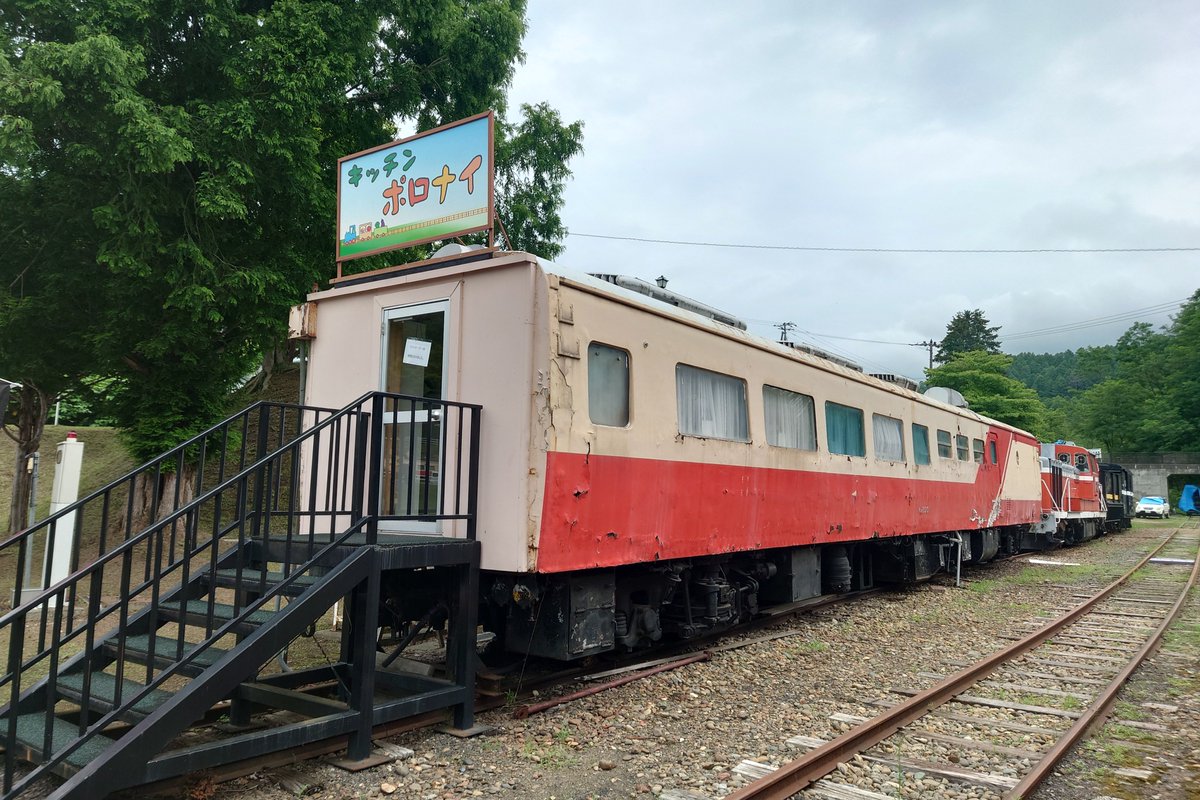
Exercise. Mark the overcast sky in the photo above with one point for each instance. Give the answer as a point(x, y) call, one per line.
point(884, 124)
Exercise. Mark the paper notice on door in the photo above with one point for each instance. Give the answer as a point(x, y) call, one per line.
point(416, 352)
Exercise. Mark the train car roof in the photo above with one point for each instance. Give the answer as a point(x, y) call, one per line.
point(595, 285)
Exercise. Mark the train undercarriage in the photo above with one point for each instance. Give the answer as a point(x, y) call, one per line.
point(574, 615)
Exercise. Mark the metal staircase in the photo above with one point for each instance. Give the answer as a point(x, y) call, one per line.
point(269, 519)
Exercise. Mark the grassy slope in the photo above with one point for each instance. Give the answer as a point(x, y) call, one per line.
point(104, 459)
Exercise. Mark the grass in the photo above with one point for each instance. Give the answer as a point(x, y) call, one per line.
point(1127, 733)
point(1113, 753)
point(1127, 711)
point(1035, 575)
point(104, 459)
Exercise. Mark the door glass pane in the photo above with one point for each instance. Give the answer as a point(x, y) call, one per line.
point(412, 439)
point(414, 353)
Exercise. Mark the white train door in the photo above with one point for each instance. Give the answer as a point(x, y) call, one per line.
point(414, 363)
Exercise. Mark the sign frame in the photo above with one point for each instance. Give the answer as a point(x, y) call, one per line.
point(489, 226)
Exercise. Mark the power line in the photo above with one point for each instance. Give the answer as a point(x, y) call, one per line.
point(1124, 316)
point(944, 250)
point(1067, 327)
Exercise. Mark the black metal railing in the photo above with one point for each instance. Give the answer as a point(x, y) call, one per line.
point(110, 516)
point(301, 501)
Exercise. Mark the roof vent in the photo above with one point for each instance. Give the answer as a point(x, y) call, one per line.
point(664, 295)
point(899, 380)
point(950, 397)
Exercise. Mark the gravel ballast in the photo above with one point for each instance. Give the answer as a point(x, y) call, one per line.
point(688, 729)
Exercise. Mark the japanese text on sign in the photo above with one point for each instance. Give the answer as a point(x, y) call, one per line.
point(432, 186)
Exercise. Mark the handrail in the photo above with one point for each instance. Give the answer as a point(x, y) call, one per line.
point(159, 524)
point(330, 475)
point(169, 672)
point(154, 462)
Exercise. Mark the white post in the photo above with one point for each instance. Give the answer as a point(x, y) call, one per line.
point(68, 466)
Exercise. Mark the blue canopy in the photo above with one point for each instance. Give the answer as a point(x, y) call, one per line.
point(1189, 500)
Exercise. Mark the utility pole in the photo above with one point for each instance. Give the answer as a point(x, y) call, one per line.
point(784, 328)
point(930, 344)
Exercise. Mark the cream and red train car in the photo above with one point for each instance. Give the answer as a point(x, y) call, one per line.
point(1073, 504)
point(649, 471)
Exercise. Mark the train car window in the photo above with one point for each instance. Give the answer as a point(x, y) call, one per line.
point(844, 430)
point(790, 419)
point(992, 450)
point(711, 405)
point(944, 450)
point(977, 450)
point(608, 385)
point(1081, 462)
point(920, 444)
point(961, 444)
point(888, 435)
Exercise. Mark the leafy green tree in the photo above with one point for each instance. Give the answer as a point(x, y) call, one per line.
point(967, 331)
point(1096, 364)
point(983, 380)
point(44, 297)
point(181, 161)
point(1182, 357)
point(1143, 406)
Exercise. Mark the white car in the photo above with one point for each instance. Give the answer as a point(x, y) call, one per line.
point(1153, 507)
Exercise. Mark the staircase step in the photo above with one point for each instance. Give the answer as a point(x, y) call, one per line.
point(104, 689)
point(137, 651)
point(31, 731)
point(251, 579)
point(196, 611)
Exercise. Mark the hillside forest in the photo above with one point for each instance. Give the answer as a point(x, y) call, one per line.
point(1138, 395)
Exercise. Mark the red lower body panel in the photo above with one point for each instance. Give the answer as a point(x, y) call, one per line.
point(602, 511)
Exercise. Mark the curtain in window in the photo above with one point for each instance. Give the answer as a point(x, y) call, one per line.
point(790, 419)
point(920, 444)
point(844, 430)
point(608, 385)
point(710, 404)
point(888, 435)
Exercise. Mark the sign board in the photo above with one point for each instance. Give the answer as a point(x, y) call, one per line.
point(435, 185)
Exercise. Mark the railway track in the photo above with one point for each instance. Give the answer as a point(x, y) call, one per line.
point(1024, 706)
point(500, 688)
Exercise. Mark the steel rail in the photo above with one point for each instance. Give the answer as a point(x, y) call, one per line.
point(546, 705)
point(1098, 711)
point(814, 765)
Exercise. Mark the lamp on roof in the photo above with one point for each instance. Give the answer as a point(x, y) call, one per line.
point(661, 280)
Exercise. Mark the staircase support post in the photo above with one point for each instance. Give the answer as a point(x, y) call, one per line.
point(364, 621)
point(461, 650)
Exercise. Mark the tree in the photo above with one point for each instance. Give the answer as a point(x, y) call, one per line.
point(983, 380)
point(1140, 407)
point(189, 151)
point(1182, 358)
point(39, 304)
point(967, 331)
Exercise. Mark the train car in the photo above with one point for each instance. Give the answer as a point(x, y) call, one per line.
point(1073, 506)
point(651, 471)
point(1119, 499)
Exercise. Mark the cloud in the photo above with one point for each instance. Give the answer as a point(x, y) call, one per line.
point(881, 124)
